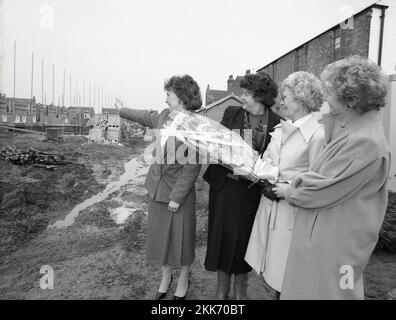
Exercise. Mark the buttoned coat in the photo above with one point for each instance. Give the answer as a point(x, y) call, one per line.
point(344, 199)
point(292, 149)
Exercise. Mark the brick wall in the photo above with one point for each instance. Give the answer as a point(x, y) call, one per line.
point(233, 86)
point(316, 54)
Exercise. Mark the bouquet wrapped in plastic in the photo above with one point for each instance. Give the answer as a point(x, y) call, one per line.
point(217, 144)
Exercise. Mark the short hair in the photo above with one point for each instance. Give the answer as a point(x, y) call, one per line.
point(187, 90)
point(357, 78)
point(306, 89)
point(262, 87)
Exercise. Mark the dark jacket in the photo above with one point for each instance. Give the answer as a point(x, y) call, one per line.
point(165, 182)
point(233, 118)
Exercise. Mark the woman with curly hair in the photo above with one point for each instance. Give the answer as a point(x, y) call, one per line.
point(233, 201)
point(294, 145)
point(343, 196)
point(171, 188)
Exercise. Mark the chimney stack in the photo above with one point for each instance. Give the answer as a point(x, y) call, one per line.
point(248, 71)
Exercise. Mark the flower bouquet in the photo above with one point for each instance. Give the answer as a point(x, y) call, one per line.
point(217, 144)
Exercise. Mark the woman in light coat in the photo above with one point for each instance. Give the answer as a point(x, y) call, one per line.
point(343, 196)
point(294, 145)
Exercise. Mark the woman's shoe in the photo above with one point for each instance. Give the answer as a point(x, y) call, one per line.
point(182, 298)
point(162, 295)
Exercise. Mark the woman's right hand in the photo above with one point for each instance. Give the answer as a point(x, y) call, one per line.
point(173, 206)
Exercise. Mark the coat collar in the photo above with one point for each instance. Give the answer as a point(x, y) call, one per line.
point(307, 128)
point(344, 127)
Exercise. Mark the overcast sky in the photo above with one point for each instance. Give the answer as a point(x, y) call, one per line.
point(132, 46)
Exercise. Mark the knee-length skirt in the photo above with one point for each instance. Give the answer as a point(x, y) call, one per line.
point(171, 236)
point(231, 216)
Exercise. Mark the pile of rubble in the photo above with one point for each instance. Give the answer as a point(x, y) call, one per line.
point(31, 157)
point(105, 130)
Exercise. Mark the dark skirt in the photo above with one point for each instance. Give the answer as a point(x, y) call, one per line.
point(232, 211)
point(171, 236)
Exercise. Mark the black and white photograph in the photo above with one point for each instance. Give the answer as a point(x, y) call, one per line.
point(218, 151)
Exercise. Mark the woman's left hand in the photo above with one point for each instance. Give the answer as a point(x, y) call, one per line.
point(282, 190)
point(173, 206)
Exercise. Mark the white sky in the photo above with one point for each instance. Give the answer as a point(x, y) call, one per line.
point(132, 46)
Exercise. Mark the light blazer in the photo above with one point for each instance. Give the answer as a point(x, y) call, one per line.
point(165, 182)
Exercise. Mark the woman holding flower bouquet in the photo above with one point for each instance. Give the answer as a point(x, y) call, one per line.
point(233, 201)
point(171, 187)
point(294, 145)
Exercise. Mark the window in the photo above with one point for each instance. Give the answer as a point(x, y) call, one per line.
point(337, 39)
point(86, 115)
point(337, 42)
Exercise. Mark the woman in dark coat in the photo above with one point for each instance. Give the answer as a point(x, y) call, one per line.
point(233, 201)
point(171, 187)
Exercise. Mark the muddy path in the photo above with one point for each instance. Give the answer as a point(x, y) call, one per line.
point(100, 253)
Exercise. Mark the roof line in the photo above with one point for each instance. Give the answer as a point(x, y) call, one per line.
point(232, 95)
point(375, 5)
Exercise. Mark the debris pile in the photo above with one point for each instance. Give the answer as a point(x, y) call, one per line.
point(31, 157)
point(105, 130)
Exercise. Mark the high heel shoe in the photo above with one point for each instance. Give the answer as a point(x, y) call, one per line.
point(162, 295)
point(182, 298)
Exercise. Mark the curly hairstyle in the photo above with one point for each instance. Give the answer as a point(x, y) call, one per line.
point(187, 90)
point(262, 87)
point(306, 89)
point(357, 79)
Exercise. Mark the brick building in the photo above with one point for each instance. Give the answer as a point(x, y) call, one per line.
point(27, 111)
point(363, 35)
point(216, 101)
point(80, 116)
point(372, 34)
point(233, 87)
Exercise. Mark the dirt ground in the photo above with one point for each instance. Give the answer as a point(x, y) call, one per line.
point(96, 258)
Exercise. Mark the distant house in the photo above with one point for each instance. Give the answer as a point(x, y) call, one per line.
point(216, 110)
point(217, 101)
point(233, 86)
point(17, 110)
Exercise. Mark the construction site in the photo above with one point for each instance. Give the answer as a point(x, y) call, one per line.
point(72, 196)
point(78, 205)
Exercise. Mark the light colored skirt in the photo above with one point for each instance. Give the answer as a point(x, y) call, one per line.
point(270, 240)
point(171, 236)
